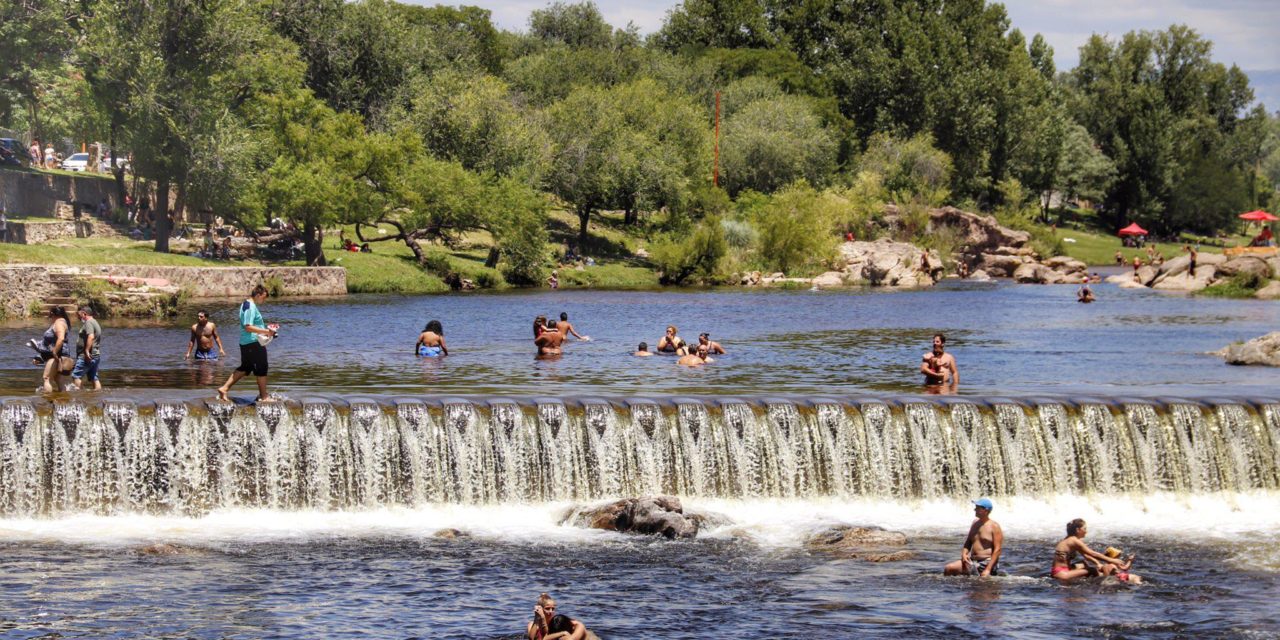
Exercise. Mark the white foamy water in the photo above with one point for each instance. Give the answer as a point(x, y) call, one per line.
point(769, 523)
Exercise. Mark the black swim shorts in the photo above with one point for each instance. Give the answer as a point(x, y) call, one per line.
point(253, 359)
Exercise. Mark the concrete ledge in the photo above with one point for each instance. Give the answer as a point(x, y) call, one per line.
point(236, 282)
point(41, 194)
point(33, 232)
point(23, 285)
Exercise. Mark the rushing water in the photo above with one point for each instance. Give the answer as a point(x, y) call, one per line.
point(318, 516)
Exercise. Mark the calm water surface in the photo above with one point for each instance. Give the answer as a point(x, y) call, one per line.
point(1211, 560)
point(1007, 339)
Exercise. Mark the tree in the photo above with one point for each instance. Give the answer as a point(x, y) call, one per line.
point(36, 38)
point(907, 170)
point(578, 25)
point(772, 141)
point(729, 24)
point(1084, 172)
point(796, 227)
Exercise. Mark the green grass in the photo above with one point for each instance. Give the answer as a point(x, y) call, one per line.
point(1241, 285)
point(617, 275)
point(92, 251)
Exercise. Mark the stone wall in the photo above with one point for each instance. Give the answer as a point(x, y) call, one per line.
point(236, 282)
point(41, 194)
point(22, 285)
point(41, 232)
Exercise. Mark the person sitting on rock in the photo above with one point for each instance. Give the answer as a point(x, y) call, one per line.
point(1096, 564)
point(982, 547)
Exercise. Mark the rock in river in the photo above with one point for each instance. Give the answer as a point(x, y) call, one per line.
point(1262, 350)
point(872, 544)
point(650, 515)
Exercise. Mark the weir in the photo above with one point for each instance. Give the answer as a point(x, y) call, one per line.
point(328, 454)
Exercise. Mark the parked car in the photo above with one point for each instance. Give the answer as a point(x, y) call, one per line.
point(121, 161)
point(76, 162)
point(14, 153)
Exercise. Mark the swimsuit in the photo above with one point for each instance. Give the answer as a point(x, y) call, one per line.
point(427, 351)
point(976, 567)
point(206, 354)
point(1056, 570)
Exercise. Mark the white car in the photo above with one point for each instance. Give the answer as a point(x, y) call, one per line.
point(76, 162)
point(121, 161)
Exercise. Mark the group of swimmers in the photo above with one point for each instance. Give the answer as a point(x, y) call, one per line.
point(690, 355)
point(985, 542)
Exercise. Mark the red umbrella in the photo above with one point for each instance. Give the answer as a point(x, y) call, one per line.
point(1133, 230)
point(1258, 216)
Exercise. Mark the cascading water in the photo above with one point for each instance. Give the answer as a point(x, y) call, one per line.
point(188, 459)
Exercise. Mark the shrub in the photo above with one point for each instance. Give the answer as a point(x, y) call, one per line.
point(275, 286)
point(1241, 285)
point(796, 228)
point(489, 280)
point(911, 169)
point(693, 256)
point(738, 234)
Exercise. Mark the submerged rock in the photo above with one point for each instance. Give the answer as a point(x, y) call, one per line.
point(1264, 350)
point(866, 543)
point(450, 534)
point(165, 549)
point(1269, 292)
point(649, 515)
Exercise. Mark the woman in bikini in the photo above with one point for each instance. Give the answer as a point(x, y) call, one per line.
point(1065, 571)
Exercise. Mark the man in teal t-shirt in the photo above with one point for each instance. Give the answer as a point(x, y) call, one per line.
point(253, 354)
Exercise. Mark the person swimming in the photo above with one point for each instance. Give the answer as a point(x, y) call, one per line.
point(671, 343)
point(695, 359)
point(431, 341)
point(643, 350)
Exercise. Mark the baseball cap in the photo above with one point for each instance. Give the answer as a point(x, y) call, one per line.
point(985, 503)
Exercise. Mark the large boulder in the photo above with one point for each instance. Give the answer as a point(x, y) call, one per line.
point(1184, 282)
point(1274, 263)
point(1035, 273)
point(885, 263)
point(873, 544)
point(1147, 274)
point(1269, 292)
point(829, 279)
point(1000, 266)
point(1264, 350)
point(1251, 265)
point(1066, 264)
point(649, 515)
point(979, 276)
point(980, 234)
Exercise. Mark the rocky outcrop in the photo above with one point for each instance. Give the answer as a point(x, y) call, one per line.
point(1249, 265)
point(872, 544)
point(979, 276)
point(1264, 350)
point(885, 263)
point(1269, 292)
point(649, 515)
point(981, 234)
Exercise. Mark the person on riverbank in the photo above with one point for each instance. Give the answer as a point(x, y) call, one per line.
point(53, 348)
point(938, 366)
point(697, 358)
point(1191, 260)
point(548, 340)
point(643, 350)
point(713, 347)
point(253, 353)
point(548, 625)
point(553, 280)
point(1065, 570)
point(671, 343)
point(204, 334)
point(566, 328)
point(88, 350)
point(431, 341)
point(982, 547)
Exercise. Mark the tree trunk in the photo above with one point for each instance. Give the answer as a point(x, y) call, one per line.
point(312, 240)
point(161, 214)
point(492, 260)
point(116, 171)
point(181, 202)
point(584, 216)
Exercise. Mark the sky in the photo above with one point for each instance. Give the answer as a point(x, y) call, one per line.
point(1244, 32)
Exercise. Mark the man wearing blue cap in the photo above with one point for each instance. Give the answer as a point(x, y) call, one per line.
point(982, 547)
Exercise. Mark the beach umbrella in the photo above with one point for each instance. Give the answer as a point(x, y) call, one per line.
point(1133, 230)
point(1258, 216)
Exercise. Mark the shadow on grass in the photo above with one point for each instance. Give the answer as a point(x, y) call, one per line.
point(596, 246)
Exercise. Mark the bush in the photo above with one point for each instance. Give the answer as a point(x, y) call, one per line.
point(1241, 285)
point(439, 264)
point(694, 256)
point(911, 169)
point(796, 228)
point(738, 234)
point(489, 280)
point(275, 286)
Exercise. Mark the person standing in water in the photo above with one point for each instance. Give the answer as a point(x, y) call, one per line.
point(982, 547)
point(431, 341)
point(547, 625)
point(695, 359)
point(939, 368)
point(1064, 571)
point(253, 354)
point(643, 350)
point(88, 350)
point(548, 340)
point(670, 343)
point(204, 334)
point(566, 328)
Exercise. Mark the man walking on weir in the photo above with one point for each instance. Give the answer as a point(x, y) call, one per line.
point(254, 334)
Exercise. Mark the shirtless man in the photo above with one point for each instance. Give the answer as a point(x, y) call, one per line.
point(939, 366)
point(982, 547)
point(549, 341)
point(695, 359)
point(1065, 571)
point(643, 350)
point(204, 334)
point(566, 328)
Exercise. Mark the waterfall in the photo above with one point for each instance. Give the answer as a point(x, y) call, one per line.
point(191, 458)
